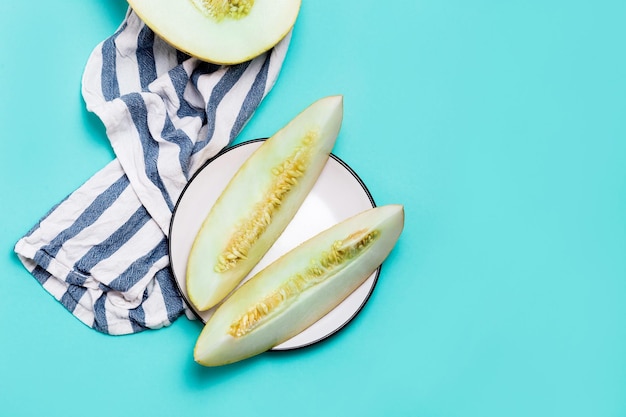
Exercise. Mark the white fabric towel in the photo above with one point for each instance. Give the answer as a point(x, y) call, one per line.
point(102, 251)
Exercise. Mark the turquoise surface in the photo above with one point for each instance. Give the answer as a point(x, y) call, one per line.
point(500, 125)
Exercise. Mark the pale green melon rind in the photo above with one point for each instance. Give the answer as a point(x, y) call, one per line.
point(205, 286)
point(215, 346)
point(230, 41)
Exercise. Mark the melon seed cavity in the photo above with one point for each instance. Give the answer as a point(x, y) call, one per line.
point(220, 9)
point(319, 270)
point(285, 178)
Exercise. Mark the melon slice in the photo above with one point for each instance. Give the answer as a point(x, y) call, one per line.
point(299, 288)
point(219, 31)
point(259, 202)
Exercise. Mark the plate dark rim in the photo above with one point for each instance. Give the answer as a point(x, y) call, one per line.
point(182, 194)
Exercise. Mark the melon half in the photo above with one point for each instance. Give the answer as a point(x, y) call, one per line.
point(259, 202)
point(300, 287)
point(219, 31)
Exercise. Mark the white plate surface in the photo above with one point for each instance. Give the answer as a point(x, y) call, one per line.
point(337, 195)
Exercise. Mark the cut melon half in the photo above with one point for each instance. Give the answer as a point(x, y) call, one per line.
point(219, 31)
point(299, 288)
point(259, 202)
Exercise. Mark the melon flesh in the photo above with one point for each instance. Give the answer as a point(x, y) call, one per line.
point(299, 288)
point(259, 202)
point(187, 26)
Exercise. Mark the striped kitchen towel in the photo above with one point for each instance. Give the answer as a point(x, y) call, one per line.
point(102, 251)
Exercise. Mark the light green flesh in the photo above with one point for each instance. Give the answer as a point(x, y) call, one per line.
point(299, 288)
point(219, 31)
point(259, 202)
point(329, 263)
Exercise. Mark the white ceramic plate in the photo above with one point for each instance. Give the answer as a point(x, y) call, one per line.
point(338, 194)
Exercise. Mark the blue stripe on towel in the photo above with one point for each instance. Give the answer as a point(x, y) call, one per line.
point(137, 315)
point(252, 100)
point(41, 274)
point(100, 314)
point(139, 113)
point(201, 69)
point(108, 75)
point(181, 57)
point(224, 85)
point(171, 134)
point(138, 269)
point(84, 220)
point(145, 58)
point(72, 296)
point(180, 79)
point(112, 244)
point(171, 296)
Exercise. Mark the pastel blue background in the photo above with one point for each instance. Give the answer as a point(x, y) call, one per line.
point(500, 125)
